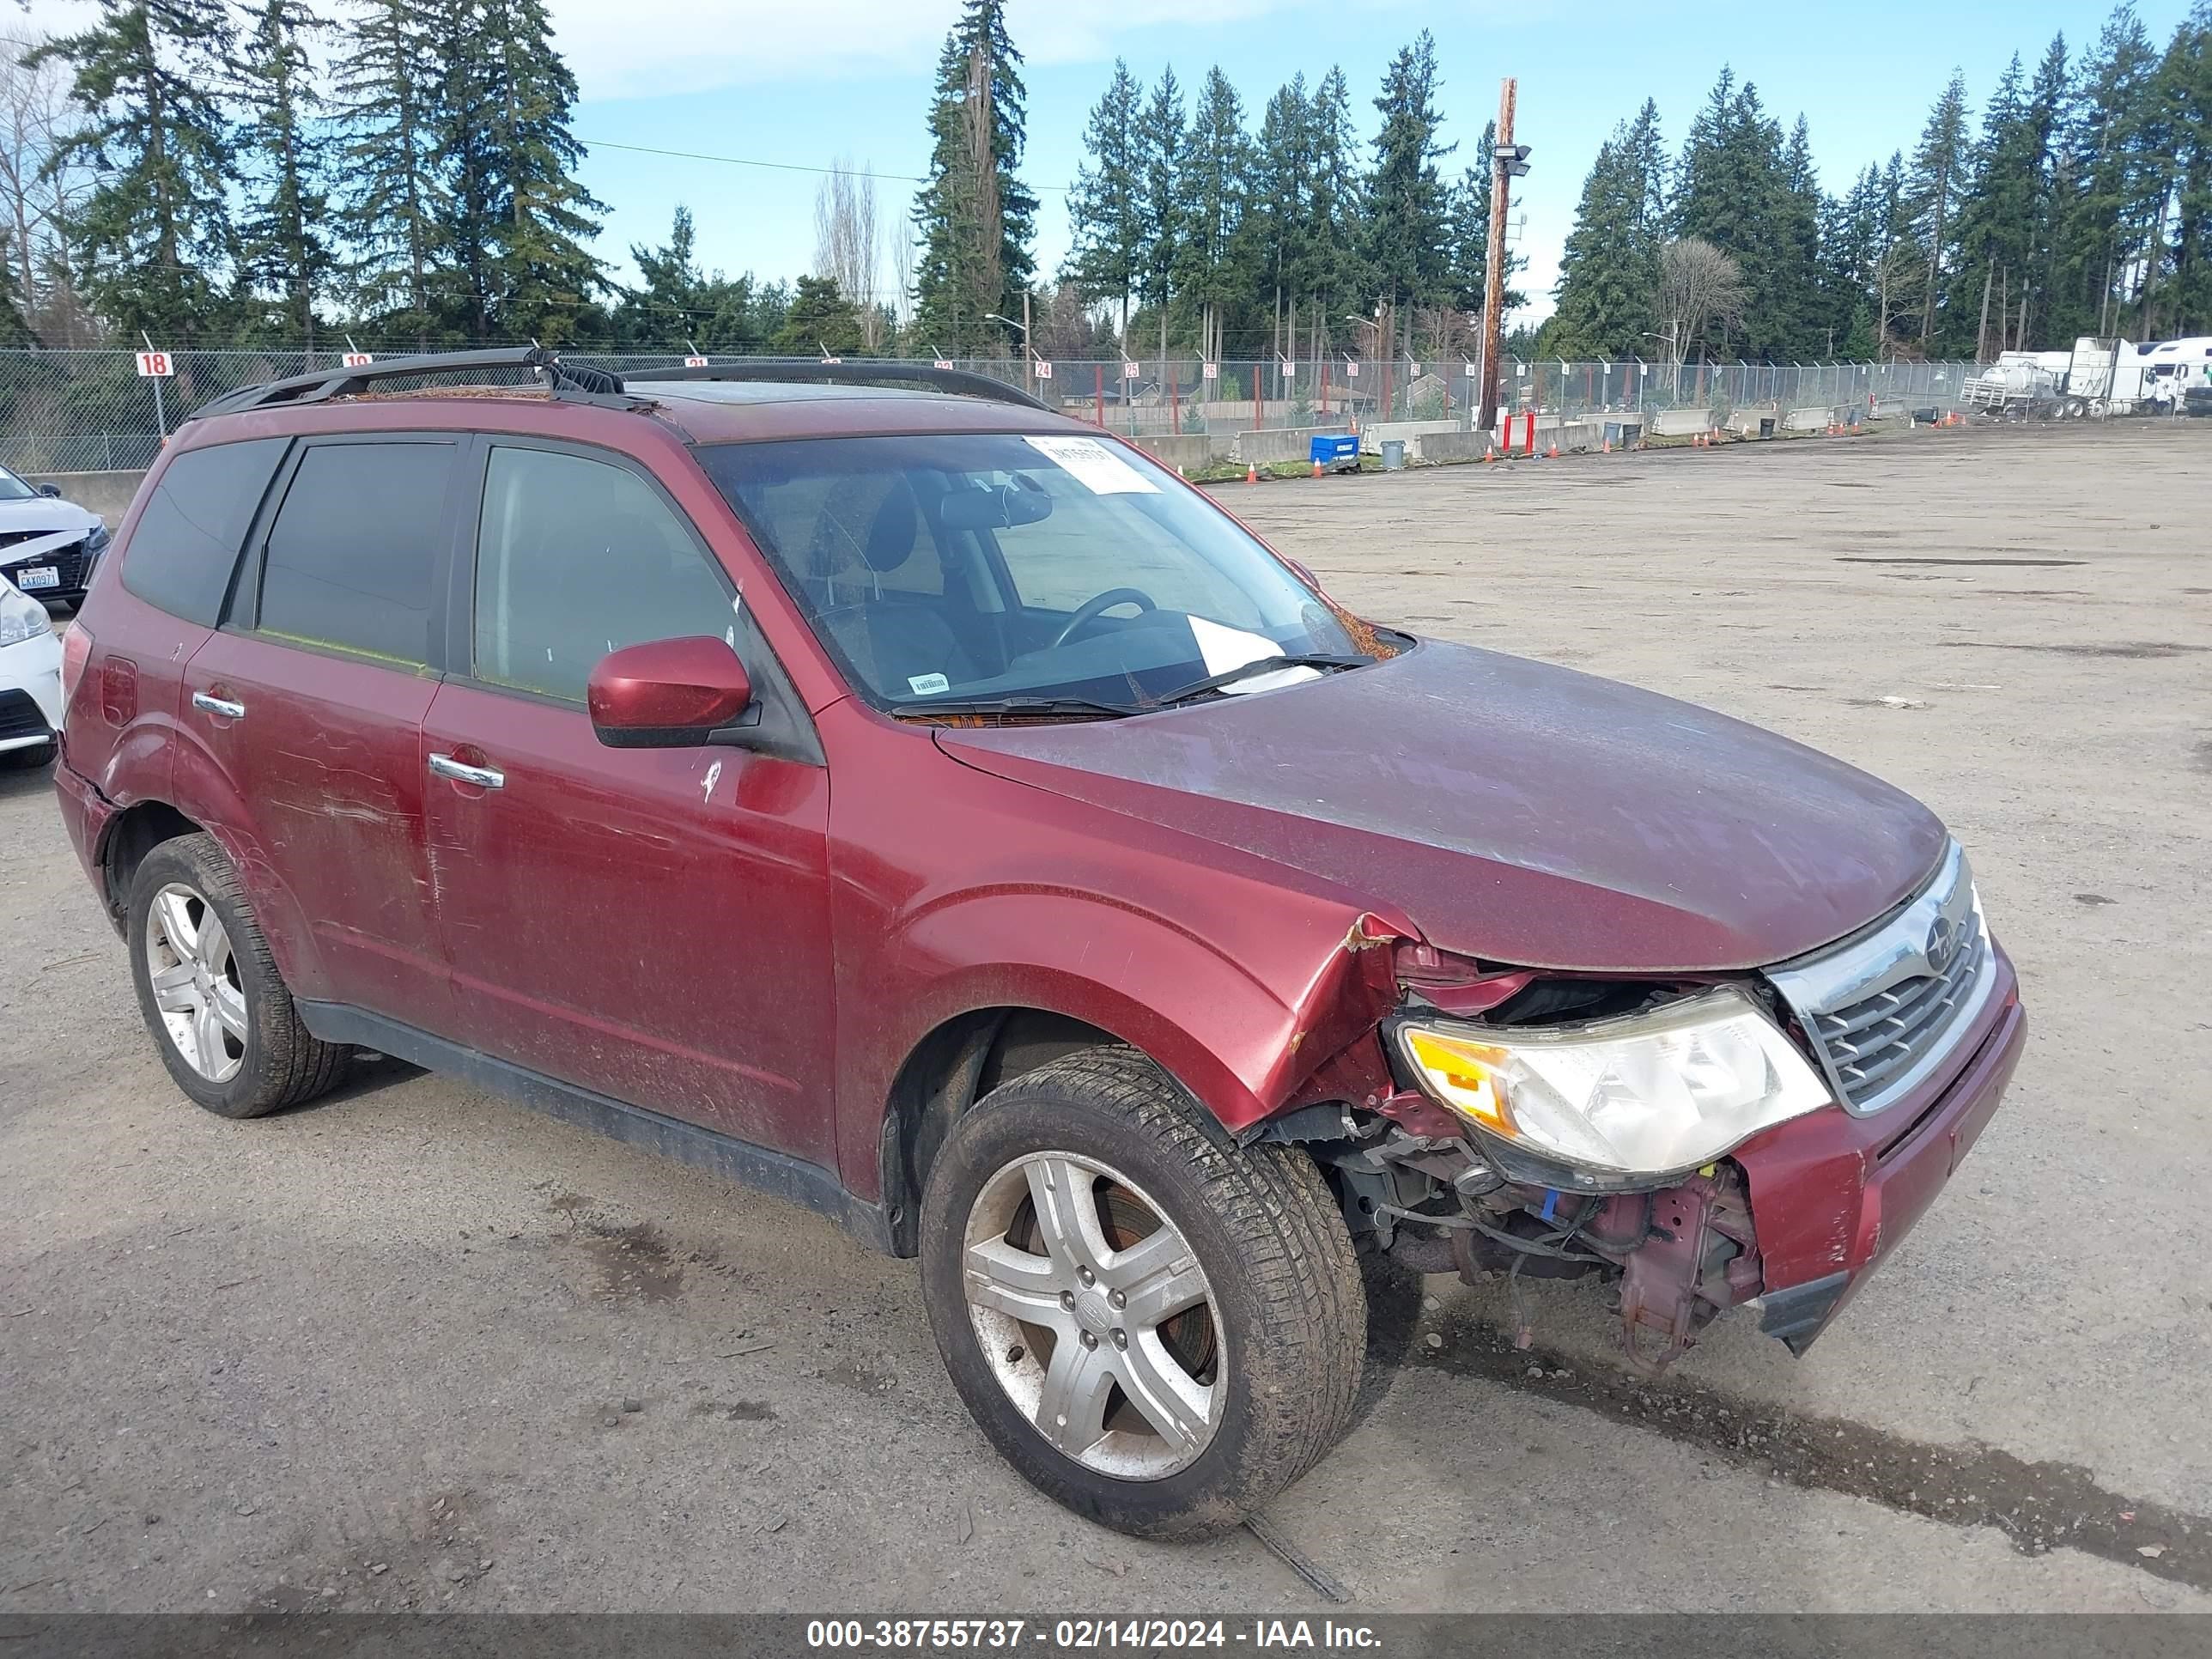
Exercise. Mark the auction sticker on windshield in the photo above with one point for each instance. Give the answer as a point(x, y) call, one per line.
point(1094, 466)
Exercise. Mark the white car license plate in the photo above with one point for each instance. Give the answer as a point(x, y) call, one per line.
point(38, 575)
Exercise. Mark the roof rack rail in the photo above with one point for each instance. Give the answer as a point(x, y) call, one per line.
point(853, 371)
point(571, 382)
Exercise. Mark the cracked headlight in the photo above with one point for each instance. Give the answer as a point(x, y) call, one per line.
point(1649, 1094)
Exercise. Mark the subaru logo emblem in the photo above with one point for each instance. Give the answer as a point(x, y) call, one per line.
point(1942, 944)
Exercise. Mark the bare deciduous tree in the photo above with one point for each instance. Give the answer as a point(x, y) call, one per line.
point(35, 206)
point(849, 243)
point(1699, 285)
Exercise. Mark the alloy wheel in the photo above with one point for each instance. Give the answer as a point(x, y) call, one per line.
point(196, 982)
point(1094, 1315)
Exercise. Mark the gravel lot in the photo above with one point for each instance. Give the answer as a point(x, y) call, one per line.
point(415, 1347)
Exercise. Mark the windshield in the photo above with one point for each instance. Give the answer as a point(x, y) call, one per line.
point(967, 570)
point(13, 488)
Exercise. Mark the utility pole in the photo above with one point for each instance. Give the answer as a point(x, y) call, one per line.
point(1508, 162)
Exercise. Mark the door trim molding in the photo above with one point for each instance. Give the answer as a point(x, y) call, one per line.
point(777, 1174)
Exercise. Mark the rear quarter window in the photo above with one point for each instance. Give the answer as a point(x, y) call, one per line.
point(185, 545)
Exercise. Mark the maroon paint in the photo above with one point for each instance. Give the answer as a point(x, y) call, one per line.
point(1229, 887)
point(691, 684)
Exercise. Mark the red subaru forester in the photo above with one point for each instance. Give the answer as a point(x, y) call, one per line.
point(867, 784)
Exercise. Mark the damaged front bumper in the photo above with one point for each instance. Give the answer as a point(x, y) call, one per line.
point(1831, 1194)
point(1793, 1220)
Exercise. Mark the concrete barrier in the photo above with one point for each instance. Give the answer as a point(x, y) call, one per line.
point(1680, 423)
point(1886, 409)
point(1190, 450)
point(1371, 435)
point(1264, 449)
point(107, 494)
point(1817, 419)
point(1435, 447)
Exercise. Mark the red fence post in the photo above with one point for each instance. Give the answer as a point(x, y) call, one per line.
point(1324, 388)
point(1098, 389)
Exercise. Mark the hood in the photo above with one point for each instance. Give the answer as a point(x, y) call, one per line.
point(45, 514)
point(1512, 810)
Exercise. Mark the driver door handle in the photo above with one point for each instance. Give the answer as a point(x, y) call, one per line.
point(225, 706)
point(483, 777)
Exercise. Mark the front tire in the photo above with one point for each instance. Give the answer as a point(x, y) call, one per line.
point(219, 1012)
point(1160, 1331)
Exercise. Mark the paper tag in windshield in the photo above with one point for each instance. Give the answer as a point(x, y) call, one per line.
point(929, 685)
point(1094, 466)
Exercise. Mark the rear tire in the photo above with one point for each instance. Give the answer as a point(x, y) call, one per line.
point(221, 1016)
point(31, 758)
point(1262, 1352)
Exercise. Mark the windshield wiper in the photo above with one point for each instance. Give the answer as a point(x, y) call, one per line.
point(1015, 705)
point(1246, 671)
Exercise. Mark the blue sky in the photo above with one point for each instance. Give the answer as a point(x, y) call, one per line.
point(805, 83)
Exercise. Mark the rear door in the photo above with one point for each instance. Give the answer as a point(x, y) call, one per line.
point(311, 699)
point(651, 924)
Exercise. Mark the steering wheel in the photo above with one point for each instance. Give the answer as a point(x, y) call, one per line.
point(1090, 609)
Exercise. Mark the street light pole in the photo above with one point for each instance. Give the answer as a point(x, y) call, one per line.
point(1504, 156)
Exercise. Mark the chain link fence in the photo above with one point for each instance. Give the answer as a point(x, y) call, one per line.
point(93, 411)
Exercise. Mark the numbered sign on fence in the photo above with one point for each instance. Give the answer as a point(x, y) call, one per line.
point(1043, 369)
point(156, 365)
point(1413, 369)
point(942, 362)
point(1352, 371)
point(695, 363)
point(1473, 370)
point(1211, 371)
point(1129, 370)
point(356, 360)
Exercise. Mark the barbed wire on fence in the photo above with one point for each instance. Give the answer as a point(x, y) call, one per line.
point(92, 410)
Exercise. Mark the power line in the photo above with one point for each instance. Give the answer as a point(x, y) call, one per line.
point(783, 166)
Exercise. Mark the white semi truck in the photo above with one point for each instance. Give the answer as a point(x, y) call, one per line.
point(2096, 378)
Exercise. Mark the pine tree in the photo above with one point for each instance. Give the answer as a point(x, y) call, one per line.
point(1609, 269)
point(1998, 208)
point(1408, 206)
point(1851, 234)
point(154, 233)
point(820, 317)
point(676, 303)
point(1335, 271)
point(2101, 208)
point(975, 217)
point(1939, 167)
point(386, 86)
point(1215, 161)
point(543, 280)
point(1160, 240)
point(1278, 210)
point(2187, 75)
point(1105, 208)
point(284, 250)
point(1734, 189)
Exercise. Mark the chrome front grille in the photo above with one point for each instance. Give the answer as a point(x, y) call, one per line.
point(1883, 1009)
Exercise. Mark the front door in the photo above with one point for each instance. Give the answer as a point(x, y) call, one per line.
point(652, 924)
point(310, 699)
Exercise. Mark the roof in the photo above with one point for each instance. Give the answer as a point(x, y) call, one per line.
point(749, 399)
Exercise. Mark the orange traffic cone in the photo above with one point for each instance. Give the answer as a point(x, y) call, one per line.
point(1553, 453)
point(1606, 448)
point(1316, 469)
point(1716, 434)
point(1251, 472)
point(1488, 451)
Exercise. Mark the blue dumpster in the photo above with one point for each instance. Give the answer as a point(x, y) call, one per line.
point(1336, 451)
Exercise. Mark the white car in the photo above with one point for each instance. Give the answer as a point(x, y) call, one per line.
point(30, 679)
point(48, 546)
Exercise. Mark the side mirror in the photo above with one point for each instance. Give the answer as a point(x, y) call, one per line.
point(52, 489)
point(668, 694)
